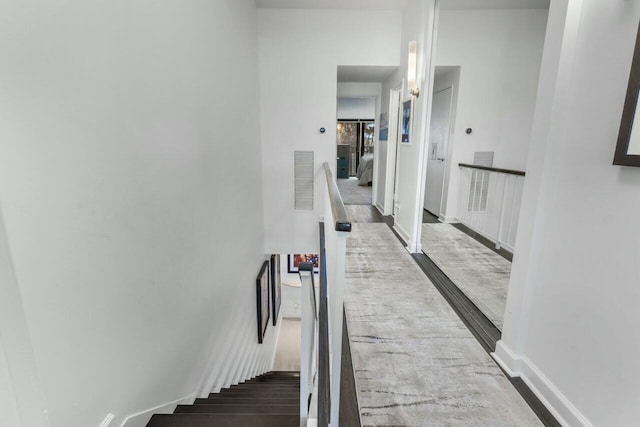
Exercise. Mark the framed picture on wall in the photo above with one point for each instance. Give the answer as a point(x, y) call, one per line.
point(262, 293)
point(384, 126)
point(405, 123)
point(628, 147)
point(276, 294)
point(295, 260)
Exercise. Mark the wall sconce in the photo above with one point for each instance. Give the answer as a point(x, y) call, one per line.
point(412, 69)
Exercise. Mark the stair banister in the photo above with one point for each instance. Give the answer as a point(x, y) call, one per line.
point(334, 230)
point(309, 343)
point(322, 315)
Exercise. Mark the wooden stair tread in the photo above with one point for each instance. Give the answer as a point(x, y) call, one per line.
point(224, 420)
point(267, 385)
point(216, 400)
point(270, 400)
point(254, 393)
point(239, 409)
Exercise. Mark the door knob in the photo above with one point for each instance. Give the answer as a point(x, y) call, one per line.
point(441, 159)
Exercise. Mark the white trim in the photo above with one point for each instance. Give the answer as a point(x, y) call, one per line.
point(278, 327)
point(448, 219)
point(379, 208)
point(428, 73)
point(557, 403)
point(402, 232)
point(165, 408)
point(107, 420)
point(391, 182)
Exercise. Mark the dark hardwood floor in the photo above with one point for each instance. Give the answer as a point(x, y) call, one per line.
point(366, 214)
point(479, 325)
point(349, 409)
point(428, 217)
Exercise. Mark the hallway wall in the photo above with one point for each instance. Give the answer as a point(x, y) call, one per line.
point(300, 51)
point(572, 320)
point(9, 415)
point(130, 170)
point(387, 148)
point(417, 24)
point(499, 52)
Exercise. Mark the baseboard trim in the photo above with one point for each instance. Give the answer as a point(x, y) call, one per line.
point(520, 366)
point(140, 419)
point(379, 208)
point(448, 219)
point(279, 328)
point(402, 233)
point(107, 420)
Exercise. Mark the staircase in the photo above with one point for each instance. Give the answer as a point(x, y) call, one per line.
point(270, 400)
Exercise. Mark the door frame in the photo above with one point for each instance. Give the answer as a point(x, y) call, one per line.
point(449, 151)
point(392, 150)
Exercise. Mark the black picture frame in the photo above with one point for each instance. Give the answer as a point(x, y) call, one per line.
point(294, 260)
point(622, 156)
point(276, 290)
point(263, 300)
point(405, 121)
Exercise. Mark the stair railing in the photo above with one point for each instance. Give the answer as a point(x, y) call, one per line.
point(309, 344)
point(489, 202)
point(321, 353)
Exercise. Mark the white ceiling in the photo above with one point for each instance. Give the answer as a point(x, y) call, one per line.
point(333, 4)
point(364, 74)
point(400, 4)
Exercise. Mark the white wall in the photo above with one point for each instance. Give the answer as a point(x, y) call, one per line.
point(499, 52)
point(9, 414)
point(356, 108)
point(417, 24)
point(387, 148)
point(571, 325)
point(300, 51)
point(130, 168)
point(21, 398)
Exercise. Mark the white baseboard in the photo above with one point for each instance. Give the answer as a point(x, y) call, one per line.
point(448, 219)
point(401, 231)
point(520, 366)
point(107, 420)
point(141, 419)
point(278, 329)
point(380, 209)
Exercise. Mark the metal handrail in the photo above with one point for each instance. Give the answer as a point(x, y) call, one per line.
point(337, 205)
point(324, 374)
point(491, 169)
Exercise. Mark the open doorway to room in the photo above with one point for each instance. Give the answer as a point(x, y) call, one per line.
point(439, 148)
point(484, 93)
point(355, 148)
point(362, 129)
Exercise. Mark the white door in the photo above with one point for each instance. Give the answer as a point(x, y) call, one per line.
point(438, 140)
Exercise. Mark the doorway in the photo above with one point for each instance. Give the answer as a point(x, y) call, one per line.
point(391, 190)
point(438, 150)
point(355, 132)
point(355, 143)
